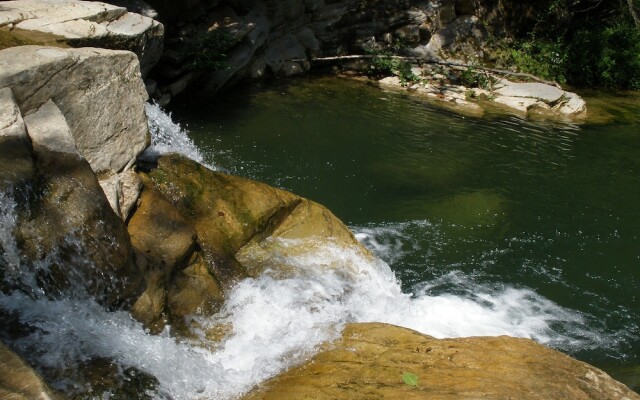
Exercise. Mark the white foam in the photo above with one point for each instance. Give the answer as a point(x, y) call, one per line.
point(169, 137)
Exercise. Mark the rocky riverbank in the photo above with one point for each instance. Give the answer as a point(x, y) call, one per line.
point(165, 239)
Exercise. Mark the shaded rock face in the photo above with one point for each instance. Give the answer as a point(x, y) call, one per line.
point(104, 110)
point(270, 37)
point(201, 231)
point(370, 360)
point(68, 238)
point(84, 24)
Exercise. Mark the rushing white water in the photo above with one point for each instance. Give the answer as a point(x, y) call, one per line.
point(277, 321)
point(169, 137)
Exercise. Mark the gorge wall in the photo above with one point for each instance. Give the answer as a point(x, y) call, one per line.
point(266, 38)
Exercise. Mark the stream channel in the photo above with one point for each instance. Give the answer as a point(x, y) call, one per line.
point(493, 226)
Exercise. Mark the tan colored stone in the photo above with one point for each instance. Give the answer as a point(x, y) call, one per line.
point(18, 381)
point(194, 291)
point(239, 222)
point(368, 362)
point(160, 232)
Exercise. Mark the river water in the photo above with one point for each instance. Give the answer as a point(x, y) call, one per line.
point(494, 225)
point(482, 226)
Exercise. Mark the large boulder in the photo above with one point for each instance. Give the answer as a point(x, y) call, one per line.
point(234, 216)
point(68, 241)
point(378, 361)
point(103, 108)
point(84, 24)
point(241, 227)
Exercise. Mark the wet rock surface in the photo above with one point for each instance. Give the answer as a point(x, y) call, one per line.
point(378, 361)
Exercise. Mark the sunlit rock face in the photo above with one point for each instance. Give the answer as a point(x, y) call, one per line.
point(82, 24)
point(200, 232)
point(19, 381)
point(104, 111)
point(388, 362)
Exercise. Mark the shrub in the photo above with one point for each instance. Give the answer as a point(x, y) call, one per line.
point(209, 50)
point(607, 57)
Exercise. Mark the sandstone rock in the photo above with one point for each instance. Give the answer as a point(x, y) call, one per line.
point(540, 98)
point(18, 381)
point(160, 232)
point(88, 23)
point(370, 359)
point(540, 91)
point(236, 218)
point(519, 104)
point(122, 191)
point(572, 105)
point(104, 110)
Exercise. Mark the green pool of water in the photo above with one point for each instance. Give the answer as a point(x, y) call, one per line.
point(540, 205)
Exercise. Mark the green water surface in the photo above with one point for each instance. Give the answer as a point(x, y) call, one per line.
point(540, 205)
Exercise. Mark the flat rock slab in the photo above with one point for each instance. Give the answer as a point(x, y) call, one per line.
point(18, 381)
point(546, 93)
point(378, 361)
point(87, 23)
point(104, 110)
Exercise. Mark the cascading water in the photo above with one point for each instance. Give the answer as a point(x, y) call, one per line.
point(274, 322)
point(169, 137)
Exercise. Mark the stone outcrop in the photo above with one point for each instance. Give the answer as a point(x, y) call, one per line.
point(370, 360)
point(104, 110)
point(530, 99)
point(269, 37)
point(200, 231)
point(18, 381)
point(62, 213)
point(84, 24)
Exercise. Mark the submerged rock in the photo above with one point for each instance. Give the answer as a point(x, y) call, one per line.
point(85, 24)
point(18, 381)
point(378, 361)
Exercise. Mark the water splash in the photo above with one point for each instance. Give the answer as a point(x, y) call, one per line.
point(169, 137)
point(277, 321)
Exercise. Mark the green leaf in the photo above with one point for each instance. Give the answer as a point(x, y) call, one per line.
point(410, 379)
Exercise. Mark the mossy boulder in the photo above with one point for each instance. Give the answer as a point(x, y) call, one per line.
point(240, 227)
point(234, 216)
point(377, 361)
